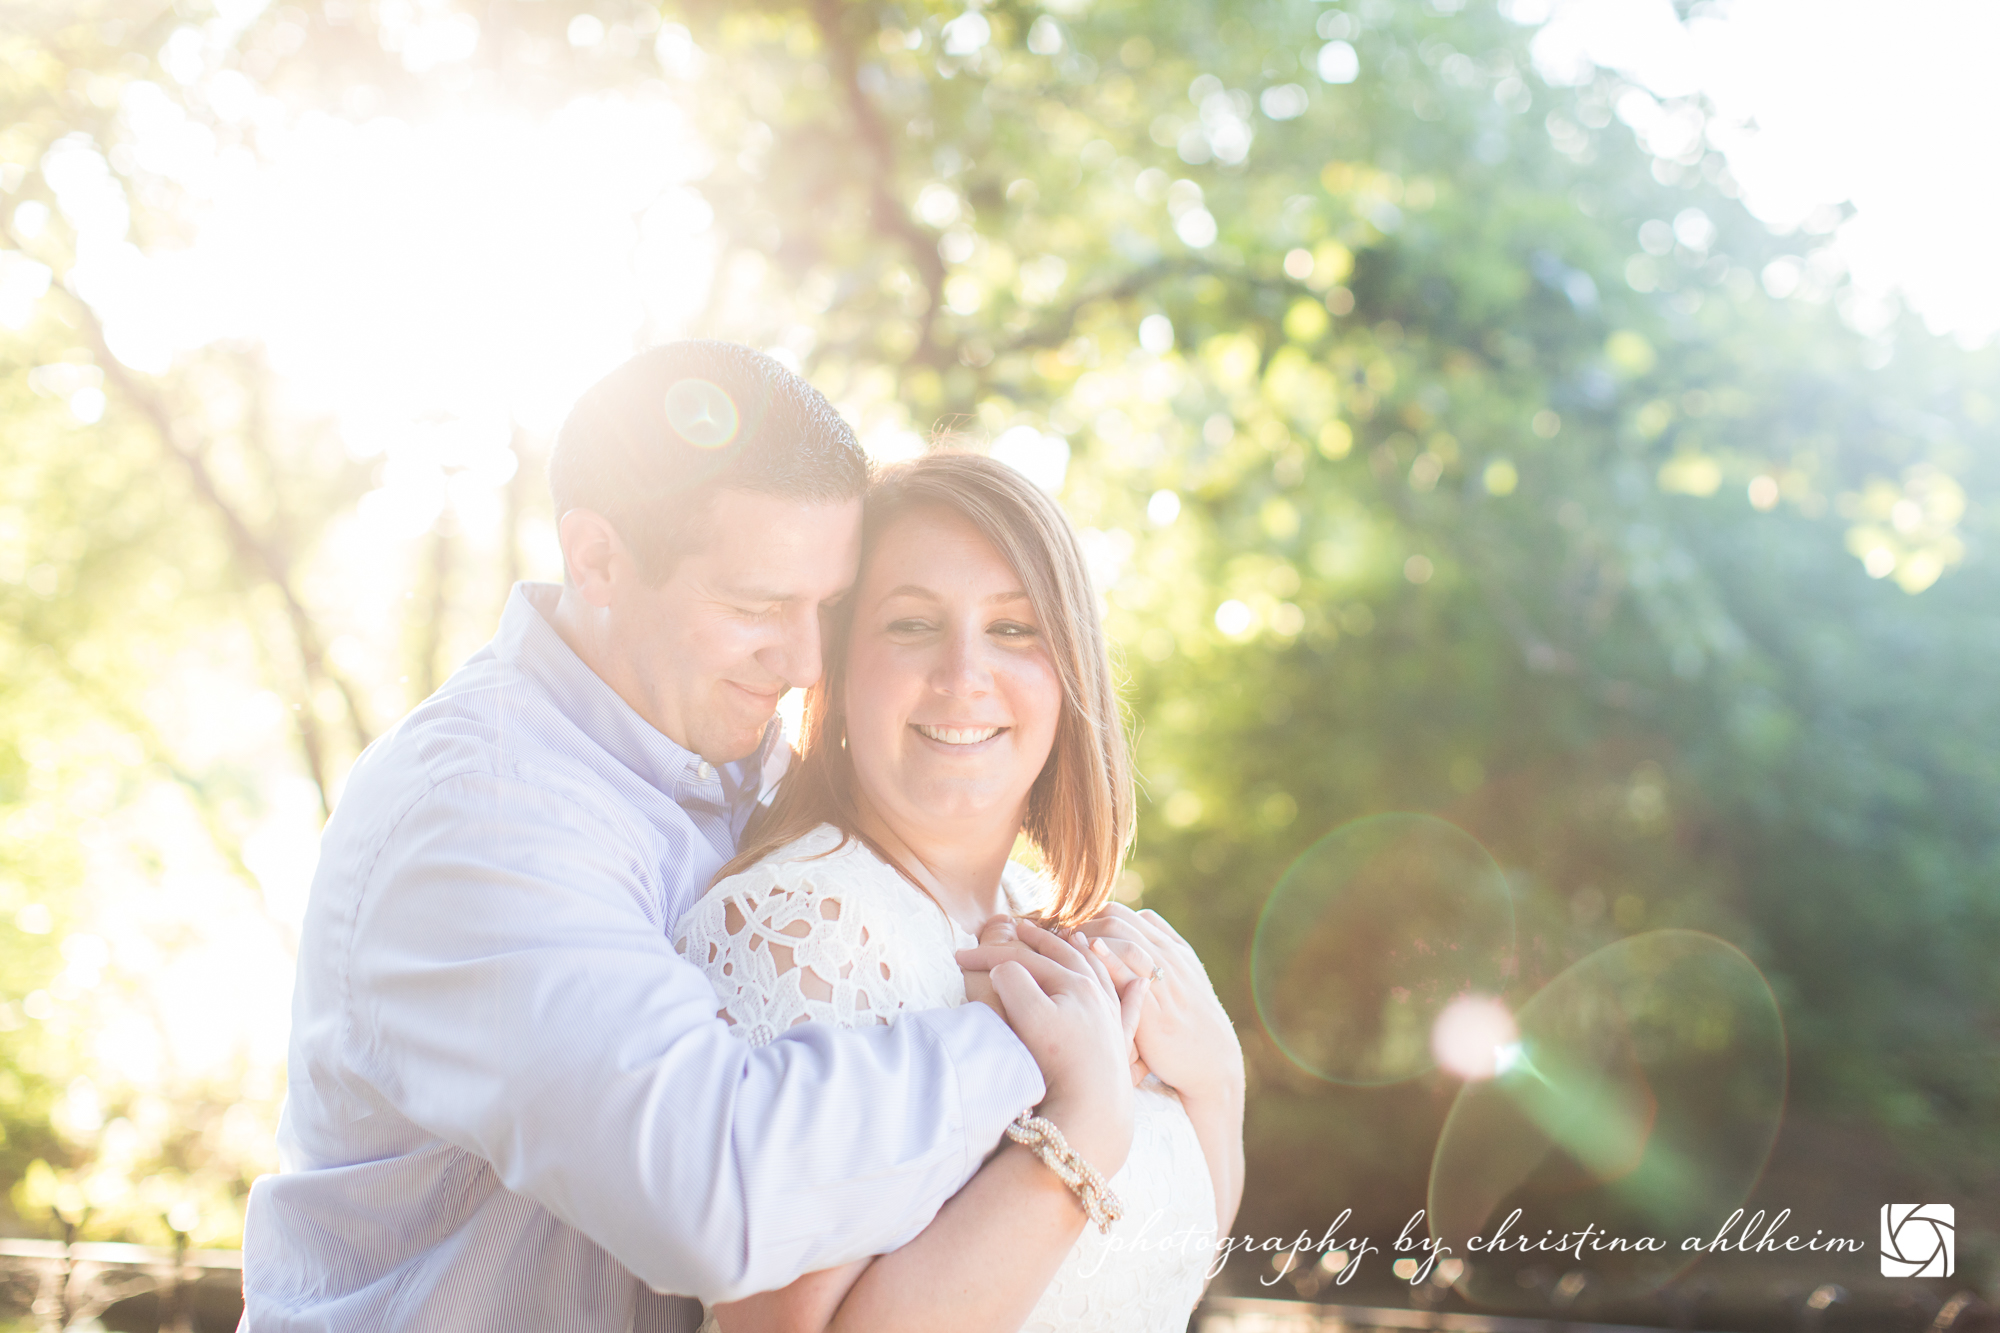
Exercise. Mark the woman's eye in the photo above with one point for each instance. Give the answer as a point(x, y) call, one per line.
point(1013, 629)
point(908, 626)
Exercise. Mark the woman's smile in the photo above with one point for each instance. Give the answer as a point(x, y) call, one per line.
point(958, 738)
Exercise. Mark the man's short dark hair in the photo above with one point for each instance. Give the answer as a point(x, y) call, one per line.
point(651, 444)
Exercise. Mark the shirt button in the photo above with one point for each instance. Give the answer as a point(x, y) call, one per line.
point(705, 771)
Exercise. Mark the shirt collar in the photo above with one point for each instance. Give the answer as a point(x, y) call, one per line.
point(528, 639)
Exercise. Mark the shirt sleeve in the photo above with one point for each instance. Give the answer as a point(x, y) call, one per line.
point(508, 993)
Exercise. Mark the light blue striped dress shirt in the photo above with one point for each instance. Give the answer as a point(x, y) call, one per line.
point(511, 1105)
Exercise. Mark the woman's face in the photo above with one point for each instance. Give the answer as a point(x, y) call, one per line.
point(952, 697)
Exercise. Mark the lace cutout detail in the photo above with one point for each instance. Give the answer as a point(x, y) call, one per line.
point(782, 945)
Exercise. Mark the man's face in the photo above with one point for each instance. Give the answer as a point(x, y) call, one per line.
point(706, 656)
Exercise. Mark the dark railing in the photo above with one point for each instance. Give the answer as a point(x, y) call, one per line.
point(173, 1291)
point(141, 1288)
point(1237, 1314)
point(1964, 1312)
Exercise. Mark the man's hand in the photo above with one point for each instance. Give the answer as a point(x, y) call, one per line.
point(996, 934)
point(1059, 998)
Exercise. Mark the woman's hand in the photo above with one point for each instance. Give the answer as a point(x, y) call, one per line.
point(1184, 1035)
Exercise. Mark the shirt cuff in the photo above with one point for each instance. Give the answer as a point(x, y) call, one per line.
point(997, 1078)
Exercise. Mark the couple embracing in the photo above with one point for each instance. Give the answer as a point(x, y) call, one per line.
point(607, 1000)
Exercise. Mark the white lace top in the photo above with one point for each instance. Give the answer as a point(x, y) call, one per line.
point(844, 938)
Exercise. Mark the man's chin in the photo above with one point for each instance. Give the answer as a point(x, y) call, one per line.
point(738, 740)
point(719, 750)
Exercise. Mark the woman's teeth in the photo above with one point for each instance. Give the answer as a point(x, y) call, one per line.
point(959, 736)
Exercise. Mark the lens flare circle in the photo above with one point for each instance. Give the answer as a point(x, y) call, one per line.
point(1370, 936)
point(1641, 1100)
point(703, 414)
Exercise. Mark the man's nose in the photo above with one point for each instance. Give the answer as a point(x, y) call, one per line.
point(796, 656)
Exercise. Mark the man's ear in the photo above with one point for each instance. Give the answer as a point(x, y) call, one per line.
point(594, 556)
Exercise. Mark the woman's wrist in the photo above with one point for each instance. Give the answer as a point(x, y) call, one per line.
point(1045, 1139)
point(1099, 1136)
point(1222, 1088)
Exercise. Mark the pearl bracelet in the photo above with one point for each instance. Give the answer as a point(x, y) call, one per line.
point(1041, 1137)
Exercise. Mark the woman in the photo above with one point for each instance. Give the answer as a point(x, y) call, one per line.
point(968, 701)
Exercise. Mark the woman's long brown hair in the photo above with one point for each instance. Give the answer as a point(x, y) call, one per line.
point(1080, 809)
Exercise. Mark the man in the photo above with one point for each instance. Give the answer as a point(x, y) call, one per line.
point(511, 1105)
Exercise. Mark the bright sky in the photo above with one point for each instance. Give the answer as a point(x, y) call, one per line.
point(1888, 107)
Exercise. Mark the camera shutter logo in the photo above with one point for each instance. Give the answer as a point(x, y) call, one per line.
point(1917, 1239)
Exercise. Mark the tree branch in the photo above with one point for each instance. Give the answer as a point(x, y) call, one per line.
point(257, 552)
point(431, 651)
point(107, 704)
point(516, 511)
point(1057, 327)
point(886, 211)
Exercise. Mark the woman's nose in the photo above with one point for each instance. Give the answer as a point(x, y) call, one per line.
point(963, 671)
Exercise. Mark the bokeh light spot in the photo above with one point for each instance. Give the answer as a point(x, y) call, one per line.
point(1475, 1038)
point(1338, 62)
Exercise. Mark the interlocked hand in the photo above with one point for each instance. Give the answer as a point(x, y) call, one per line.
point(1184, 1034)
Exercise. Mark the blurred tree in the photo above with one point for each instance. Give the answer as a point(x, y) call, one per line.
point(1442, 441)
